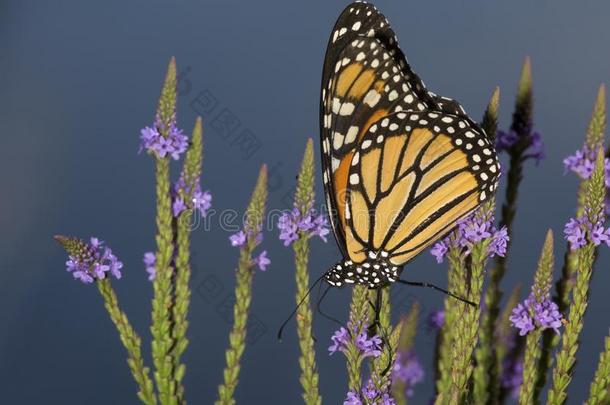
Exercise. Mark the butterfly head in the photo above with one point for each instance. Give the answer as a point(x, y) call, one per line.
point(377, 271)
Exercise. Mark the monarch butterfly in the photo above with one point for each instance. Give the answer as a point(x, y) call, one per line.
point(401, 165)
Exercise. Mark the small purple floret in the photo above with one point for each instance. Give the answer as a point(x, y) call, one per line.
point(531, 314)
point(535, 146)
point(173, 145)
point(469, 231)
point(262, 261)
point(150, 259)
point(238, 239)
point(367, 346)
point(292, 222)
point(93, 262)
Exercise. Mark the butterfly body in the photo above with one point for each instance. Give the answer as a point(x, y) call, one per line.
point(374, 272)
point(401, 165)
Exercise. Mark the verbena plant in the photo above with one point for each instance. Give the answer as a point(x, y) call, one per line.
point(485, 353)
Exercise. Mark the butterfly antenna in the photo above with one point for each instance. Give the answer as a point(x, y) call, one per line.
point(434, 287)
point(319, 308)
point(293, 313)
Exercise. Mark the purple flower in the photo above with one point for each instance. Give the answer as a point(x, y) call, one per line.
point(368, 346)
point(436, 319)
point(512, 376)
point(340, 340)
point(238, 239)
point(369, 395)
point(547, 315)
point(262, 261)
point(173, 144)
point(150, 259)
point(352, 398)
point(195, 198)
point(521, 318)
point(90, 262)
point(582, 162)
point(577, 229)
point(439, 250)
point(202, 201)
point(599, 235)
point(471, 230)
point(499, 244)
point(534, 145)
point(291, 223)
point(178, 206)
point(505, 140)
point(531, 314)
point(476, 232)
point(408, 370)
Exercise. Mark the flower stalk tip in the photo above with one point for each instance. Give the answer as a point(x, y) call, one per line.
point(91, 261)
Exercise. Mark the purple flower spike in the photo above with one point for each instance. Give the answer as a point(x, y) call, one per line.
point(535, 146)
point(292, 222)
point(471, 230)
point(90, 262)
point(521, 319)
point(196, 199)
point(238, 239)
point(340, 339)
point(531, 314)
point(262, 261)
point(150, 259)
point(369, 347)
point(173, 145)
point(577, 230)
point(475, 232)
point(499, 244)
point(547, 315)
point(368, 395)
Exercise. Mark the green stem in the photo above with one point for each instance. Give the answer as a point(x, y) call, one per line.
point(562, 373)
point(131, 341)
point(307, 361)
point(600, 386)
point(243, 291)
point(162, 342)
point(237, 337)
point(182, 299)
point(465, 340)
point(359, 310)
point(455, 282)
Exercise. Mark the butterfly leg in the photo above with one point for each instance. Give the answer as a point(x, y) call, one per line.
point(322, 313)
point(376, 325)
point(434, 287)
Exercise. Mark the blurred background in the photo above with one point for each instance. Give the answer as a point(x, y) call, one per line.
point(79, 79)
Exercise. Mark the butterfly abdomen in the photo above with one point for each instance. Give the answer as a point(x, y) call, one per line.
point(374, 273)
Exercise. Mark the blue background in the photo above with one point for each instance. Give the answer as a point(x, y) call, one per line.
point(79, 79)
